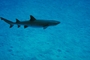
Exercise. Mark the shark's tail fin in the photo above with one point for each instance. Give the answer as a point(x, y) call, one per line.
point(7, 21)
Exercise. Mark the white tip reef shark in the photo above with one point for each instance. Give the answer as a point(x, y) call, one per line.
point(32, 22)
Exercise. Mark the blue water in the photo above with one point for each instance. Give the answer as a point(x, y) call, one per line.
point(69, 40)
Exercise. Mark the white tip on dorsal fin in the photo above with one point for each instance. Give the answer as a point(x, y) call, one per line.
point(32, 18)
point(17, 21)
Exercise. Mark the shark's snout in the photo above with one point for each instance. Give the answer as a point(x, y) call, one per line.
point(56, 22)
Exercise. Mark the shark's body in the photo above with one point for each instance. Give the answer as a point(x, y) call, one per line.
point(32, 22)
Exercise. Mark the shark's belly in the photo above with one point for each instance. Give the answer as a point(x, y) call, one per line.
point(35, 25)
point(32, 24)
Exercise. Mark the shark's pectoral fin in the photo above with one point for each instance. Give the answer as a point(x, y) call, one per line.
point(45, 27)
point(17, 21)
point(11, 26)
point(25, 26)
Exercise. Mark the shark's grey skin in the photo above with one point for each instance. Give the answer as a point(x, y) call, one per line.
point(33, 22)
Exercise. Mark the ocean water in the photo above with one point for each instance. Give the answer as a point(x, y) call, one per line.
point(69, 40)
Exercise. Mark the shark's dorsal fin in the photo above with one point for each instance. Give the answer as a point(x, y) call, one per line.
point(17, 21)
point(32, 18)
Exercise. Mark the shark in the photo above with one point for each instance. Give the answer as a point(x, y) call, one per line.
point(32, 22)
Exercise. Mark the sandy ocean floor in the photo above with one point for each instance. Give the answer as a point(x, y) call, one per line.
point(69, 40)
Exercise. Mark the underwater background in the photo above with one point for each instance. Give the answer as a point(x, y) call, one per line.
point(69, 40)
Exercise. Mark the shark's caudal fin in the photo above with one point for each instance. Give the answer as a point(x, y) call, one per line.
point(8, 21)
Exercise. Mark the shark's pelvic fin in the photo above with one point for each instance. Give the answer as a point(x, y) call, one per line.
point(44, 27)
point(17, 21)
point(32, 18)
point(25, 26)
point(18, 26)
